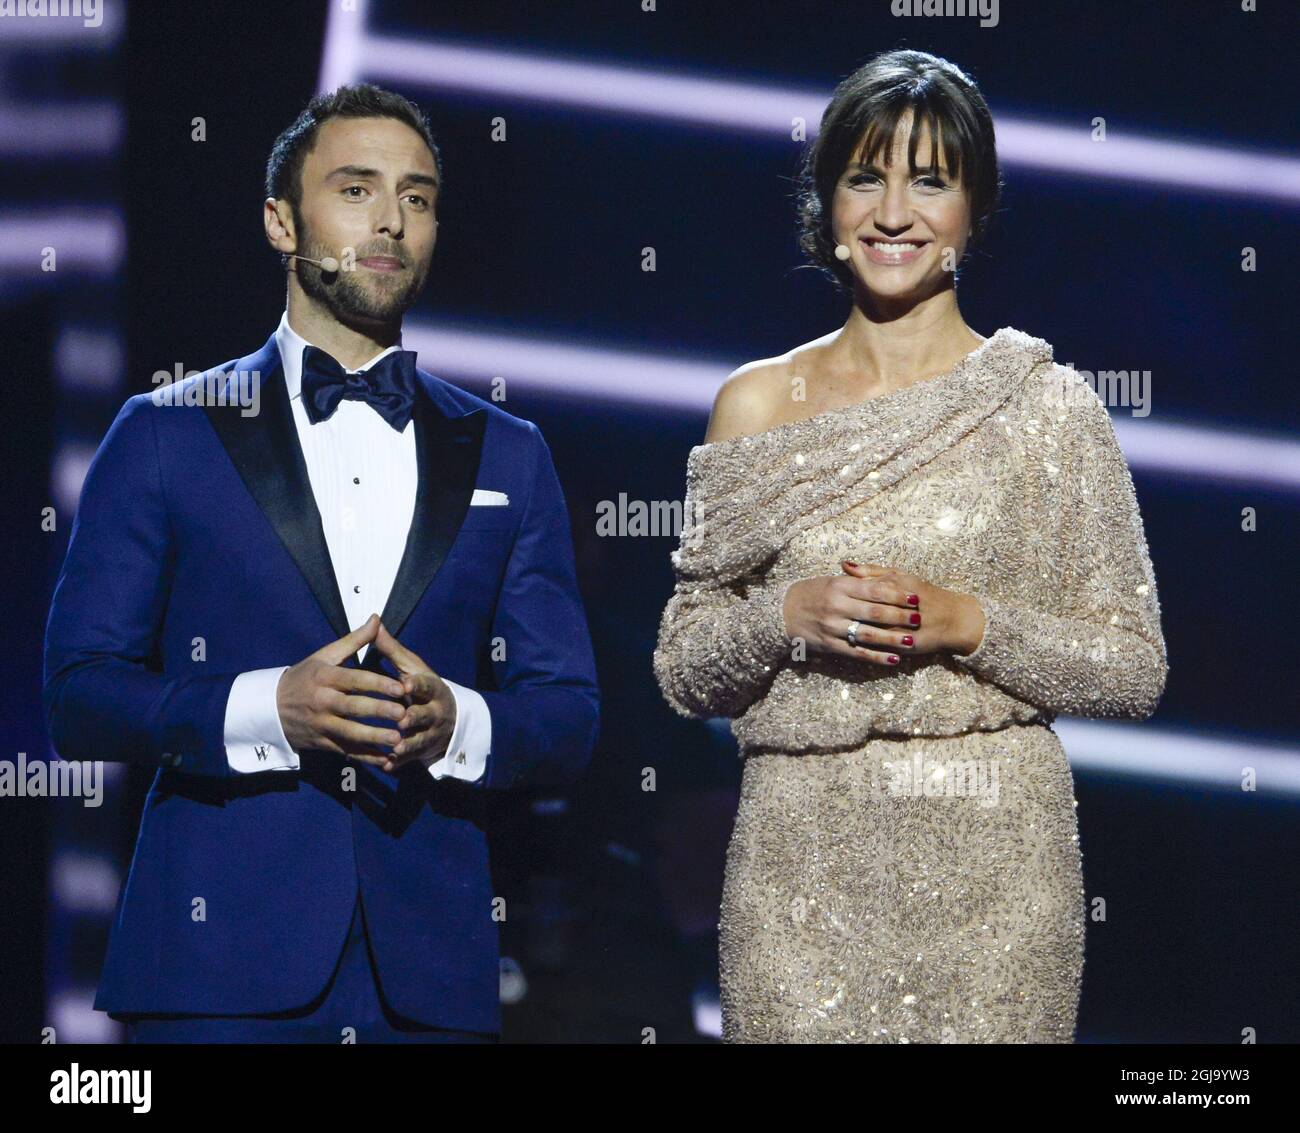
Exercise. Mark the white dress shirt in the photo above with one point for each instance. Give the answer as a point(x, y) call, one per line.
point(363, 475)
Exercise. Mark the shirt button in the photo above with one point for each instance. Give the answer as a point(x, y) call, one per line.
point(356, 479)
point(356, 590)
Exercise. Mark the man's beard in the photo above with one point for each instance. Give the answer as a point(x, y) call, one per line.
point(351, 299)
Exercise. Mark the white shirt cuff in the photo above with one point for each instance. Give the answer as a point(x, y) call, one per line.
point(254, 736)
point(471, 738)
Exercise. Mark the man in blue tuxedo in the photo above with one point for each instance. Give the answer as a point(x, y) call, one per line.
point(335, 626)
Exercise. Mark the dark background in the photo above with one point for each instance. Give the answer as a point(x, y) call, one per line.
point(616, 889)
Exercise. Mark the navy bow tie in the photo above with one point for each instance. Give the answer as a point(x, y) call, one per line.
point(389, 386)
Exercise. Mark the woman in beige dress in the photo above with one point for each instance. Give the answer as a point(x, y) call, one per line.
point(907, 548)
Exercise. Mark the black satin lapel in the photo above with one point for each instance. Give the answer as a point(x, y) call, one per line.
point(265, 451)
point(448, 450)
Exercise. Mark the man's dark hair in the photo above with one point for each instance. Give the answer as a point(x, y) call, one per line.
point(866, 108)
point(364, 100)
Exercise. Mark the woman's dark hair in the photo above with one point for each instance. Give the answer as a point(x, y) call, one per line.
point(867, 107)
point(364, 100)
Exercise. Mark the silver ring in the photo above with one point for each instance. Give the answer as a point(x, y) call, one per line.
point(853, 632)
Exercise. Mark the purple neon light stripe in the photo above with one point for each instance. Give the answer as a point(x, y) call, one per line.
point(1218, 169)
point(625, 90)
point(73, 129)
point(591, 374)
point(350, 52)
point(1215, 454)
point(649, 380)
point(91, 240)
point(1178, 757)
point(345, 37)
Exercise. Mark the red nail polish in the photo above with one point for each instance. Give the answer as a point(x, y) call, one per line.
point(915, 619)
point(893, 659)
point(907, 639)
point(913, 600)
point(850, 562)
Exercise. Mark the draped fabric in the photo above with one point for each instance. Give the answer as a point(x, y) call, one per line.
point(1001, 478)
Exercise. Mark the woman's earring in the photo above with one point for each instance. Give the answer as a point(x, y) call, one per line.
point(842, 251)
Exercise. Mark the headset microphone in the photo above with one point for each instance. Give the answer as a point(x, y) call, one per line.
point(329, 263)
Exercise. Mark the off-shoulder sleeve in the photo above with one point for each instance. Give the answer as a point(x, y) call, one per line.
point(720, 647)
point(1102, 652)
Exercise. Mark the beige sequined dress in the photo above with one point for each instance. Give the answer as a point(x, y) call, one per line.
point(905, 864)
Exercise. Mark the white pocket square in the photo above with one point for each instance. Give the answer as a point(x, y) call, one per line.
point(484, 498)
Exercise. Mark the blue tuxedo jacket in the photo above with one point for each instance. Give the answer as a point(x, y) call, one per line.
point(197, 522)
